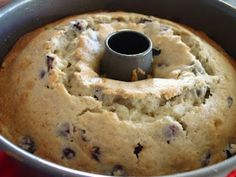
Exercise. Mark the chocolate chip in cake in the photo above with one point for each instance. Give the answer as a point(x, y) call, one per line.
point(42, 74)
point(118, 170)
point(97, 94)
point(195, 71)
point(138, 149)
point(96, 153)
point(208, 93)
point(78, 25)
point(50, 62)
point(66, 130)
point(199, 92)
point(119, 19)
point(230, 101)
point(68, 65)
point(206, 159)
point(82, 135)
point(156, 52)
point(68, 153)
point(83, 131)
point(27, 144)
point(170, 132)
point(230, 150)
point(228, 154)
point(144, 20)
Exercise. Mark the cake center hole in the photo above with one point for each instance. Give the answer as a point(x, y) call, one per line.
point(128, 43)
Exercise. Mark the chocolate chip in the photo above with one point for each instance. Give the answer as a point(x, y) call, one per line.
point(171, 131)
point(95, 97)
point(96, 153)
point(119, 19)
point(78, 26)
point(208, 93)
point(199, 92)
point(138, 149)
point(42, 74)
point(206, 159)
point(194, 70)
point(27, 144)
point(230, 101)
point(68, 153)
point(50, 62)
point(144, 20)
point(230, 150)
point(228, 154)
point(97, 94)
point(118, 170)
point(82, 135)
point(83, 131)
point(68, 65)
point(156, 51)
point(66, 130)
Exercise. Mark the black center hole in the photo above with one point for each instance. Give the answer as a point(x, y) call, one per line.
point(128, 42)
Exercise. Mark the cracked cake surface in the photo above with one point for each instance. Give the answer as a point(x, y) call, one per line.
point(55, 104)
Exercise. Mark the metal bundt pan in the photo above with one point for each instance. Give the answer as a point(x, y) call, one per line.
point(214, 17)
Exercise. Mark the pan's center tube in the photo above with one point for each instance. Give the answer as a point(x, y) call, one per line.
point(126, 51)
